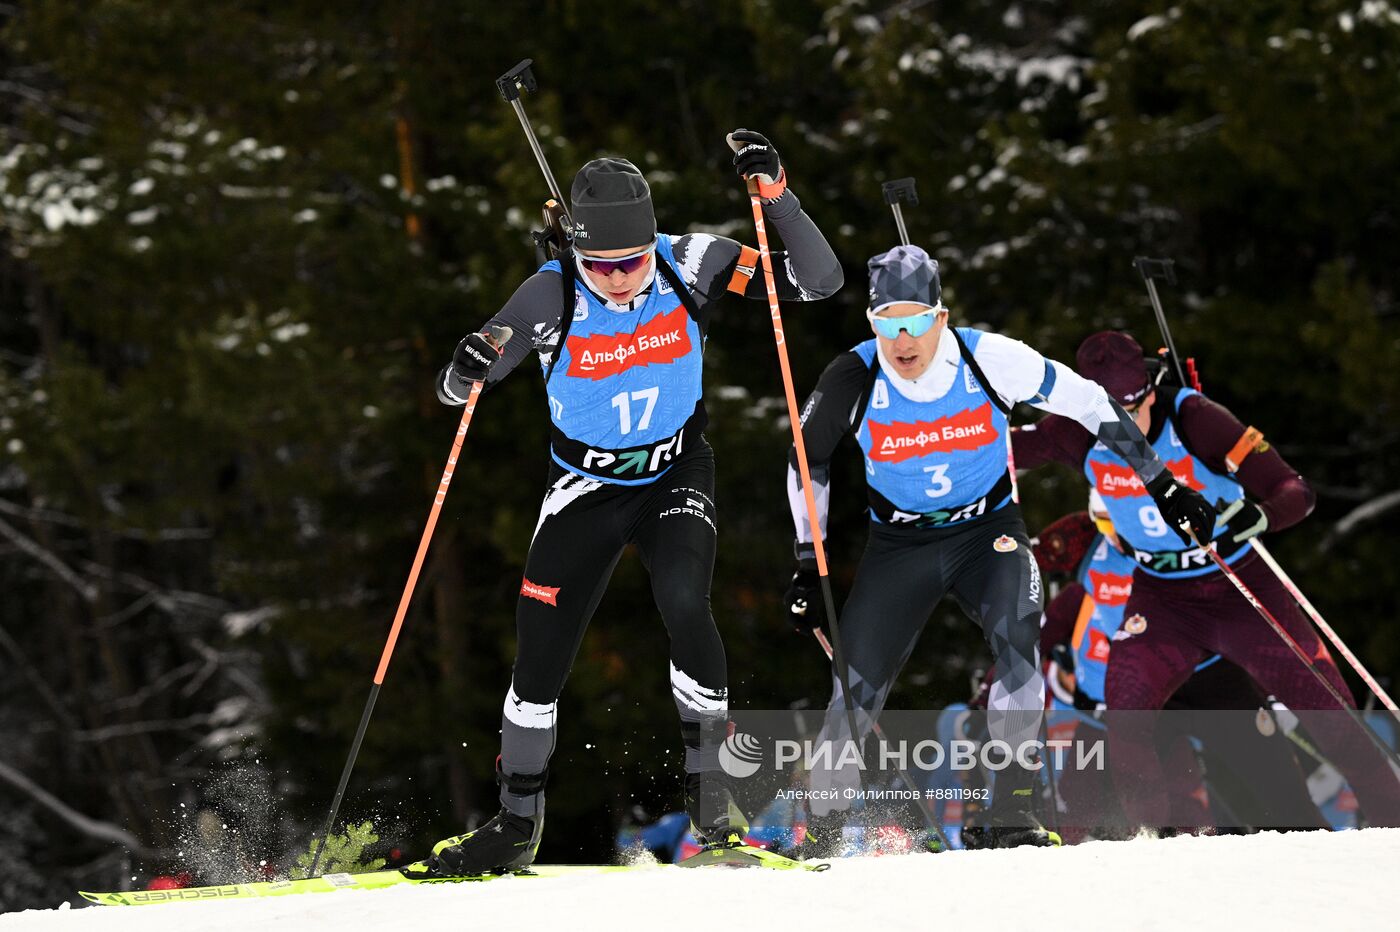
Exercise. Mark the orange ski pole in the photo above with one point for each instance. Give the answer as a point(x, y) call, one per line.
point(838, 656)
point(498, 336)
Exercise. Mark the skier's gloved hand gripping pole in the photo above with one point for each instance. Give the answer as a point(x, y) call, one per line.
point(1152, 269)
point(496, 341)
point(756, 154)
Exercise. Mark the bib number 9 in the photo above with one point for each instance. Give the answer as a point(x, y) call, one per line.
point(1152, 522)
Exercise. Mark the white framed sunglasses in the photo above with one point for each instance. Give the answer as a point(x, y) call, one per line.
point(916, 325)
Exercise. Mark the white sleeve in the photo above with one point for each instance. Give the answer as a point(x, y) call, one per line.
point(1072, 395)
point(1020, 374)
point(1015, 370)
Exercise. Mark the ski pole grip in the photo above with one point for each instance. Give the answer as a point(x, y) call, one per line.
point(900, 189)
point(520, 78)
point(499, 336)
point(1156, 268)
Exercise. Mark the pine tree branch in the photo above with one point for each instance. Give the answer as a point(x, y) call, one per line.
point(58, 517)
point(30, 671)
point(103, 831)
point(48, 558)
point(1359, 515)
point(169, 601)
point(131, 729)
point(164, 682)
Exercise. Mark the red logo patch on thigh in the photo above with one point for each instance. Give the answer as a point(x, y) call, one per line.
point(546, 594)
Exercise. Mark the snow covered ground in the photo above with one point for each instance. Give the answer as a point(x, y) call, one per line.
point(1312, 881)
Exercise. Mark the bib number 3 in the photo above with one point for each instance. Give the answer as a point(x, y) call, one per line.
point(941, 484)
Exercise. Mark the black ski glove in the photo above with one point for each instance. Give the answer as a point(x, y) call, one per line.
point(1180, 504)
point(1242, 519)
point(755, 157)
point(803, 599)
point(471, 362)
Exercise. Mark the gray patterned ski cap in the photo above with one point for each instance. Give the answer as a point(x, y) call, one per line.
point(905, 274)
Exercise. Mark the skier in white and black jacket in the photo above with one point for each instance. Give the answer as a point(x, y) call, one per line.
point(928, 405)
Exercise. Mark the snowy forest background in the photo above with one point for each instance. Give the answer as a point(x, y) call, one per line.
point(238, 239)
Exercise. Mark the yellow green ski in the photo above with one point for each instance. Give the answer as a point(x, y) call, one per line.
point(729, 856)
point(330, 883)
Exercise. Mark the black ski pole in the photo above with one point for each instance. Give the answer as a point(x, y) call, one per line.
point(1050, 777)
point(904, 189)
point(558, 231)
point(511, 84)
point(1151, 270)
point(1209, 549)
point(800, 447)
point(895, 191)
point(1162, 268)
point(900, 189)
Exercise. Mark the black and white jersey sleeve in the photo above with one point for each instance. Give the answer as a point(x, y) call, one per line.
point(533, 314)
point(827, 415)
point(807, 270)
point(1020, 374)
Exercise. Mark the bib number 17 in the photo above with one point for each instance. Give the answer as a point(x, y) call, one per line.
point(622, 401)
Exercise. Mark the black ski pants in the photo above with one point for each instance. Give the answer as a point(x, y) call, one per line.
point(987, 565)
point(584, 526)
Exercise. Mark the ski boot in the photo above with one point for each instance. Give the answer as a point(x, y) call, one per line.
point(933, 842)
point(505, 844)
point(1009, 823)
point(720, 827)
point(715, 820)
point(727, 848)
point(824, 837)
point(713, 813)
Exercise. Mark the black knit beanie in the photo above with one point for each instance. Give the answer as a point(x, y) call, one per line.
point(611, 206)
